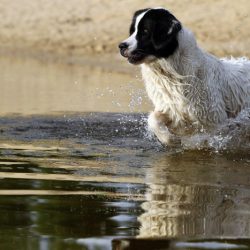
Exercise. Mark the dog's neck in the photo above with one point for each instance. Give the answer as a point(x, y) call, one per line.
point(189, 58)
point(182, 62)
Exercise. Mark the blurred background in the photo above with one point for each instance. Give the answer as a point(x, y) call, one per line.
point(62, 55)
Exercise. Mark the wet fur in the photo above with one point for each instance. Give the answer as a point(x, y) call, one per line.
point(192, 91)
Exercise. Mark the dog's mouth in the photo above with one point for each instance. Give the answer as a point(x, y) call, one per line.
point(136, 58)
point(124, 52)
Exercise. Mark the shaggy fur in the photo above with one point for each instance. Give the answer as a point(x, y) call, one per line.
point(192, 91)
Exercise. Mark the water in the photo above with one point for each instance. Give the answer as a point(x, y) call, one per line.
point(30, 86)
point(80, 180)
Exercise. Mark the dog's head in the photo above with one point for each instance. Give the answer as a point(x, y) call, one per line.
point(153, 34)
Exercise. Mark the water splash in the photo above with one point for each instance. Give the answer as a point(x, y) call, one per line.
point(233, 135)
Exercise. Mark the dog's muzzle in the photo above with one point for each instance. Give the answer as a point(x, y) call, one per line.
point(134, 57)
point(123, 49)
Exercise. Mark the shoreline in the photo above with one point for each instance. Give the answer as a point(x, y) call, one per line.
point(82, 28)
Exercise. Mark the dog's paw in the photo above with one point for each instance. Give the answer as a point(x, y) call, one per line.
point(157, 125)
point(170, 140)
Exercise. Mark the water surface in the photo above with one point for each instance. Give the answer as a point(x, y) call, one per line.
point(31, 86)
point(80, 180)
point(85, 179)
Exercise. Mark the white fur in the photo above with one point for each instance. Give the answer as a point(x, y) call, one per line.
point(194, 90)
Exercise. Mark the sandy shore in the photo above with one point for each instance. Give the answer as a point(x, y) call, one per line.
point(82, 27)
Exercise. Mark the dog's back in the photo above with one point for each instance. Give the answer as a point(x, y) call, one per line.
point(236, 89)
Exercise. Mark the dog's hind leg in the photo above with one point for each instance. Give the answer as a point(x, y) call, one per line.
point(157, 123)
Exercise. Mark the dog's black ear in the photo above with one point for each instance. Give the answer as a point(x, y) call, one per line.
point(164, 32)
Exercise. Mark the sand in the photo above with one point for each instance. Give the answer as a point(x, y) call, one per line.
point(94, 27)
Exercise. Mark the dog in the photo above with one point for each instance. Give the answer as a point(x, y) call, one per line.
point(192, 91)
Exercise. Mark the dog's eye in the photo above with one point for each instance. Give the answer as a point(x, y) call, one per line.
point(145, 33)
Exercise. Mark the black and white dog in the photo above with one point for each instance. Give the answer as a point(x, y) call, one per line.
point(192, 91)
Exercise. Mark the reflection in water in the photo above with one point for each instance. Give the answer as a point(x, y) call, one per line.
point(79, 181)
point(195, 211)
point(204, 199)
point(69, 182)
point(63, 222)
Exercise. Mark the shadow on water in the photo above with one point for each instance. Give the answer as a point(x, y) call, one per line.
point(80, 180)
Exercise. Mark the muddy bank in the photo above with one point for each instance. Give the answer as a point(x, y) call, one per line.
point(82, 27)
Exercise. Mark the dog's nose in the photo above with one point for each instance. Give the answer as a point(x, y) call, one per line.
point(123, 46)
point(123, 49)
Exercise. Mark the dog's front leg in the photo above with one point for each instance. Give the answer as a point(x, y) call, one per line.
point(157, 123)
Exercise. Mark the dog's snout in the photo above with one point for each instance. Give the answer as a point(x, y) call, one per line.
point(123, 46)
point(123, 49)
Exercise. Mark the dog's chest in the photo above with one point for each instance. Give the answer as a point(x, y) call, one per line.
point(167, 93)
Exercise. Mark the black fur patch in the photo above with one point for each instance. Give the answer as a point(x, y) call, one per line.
point(157, 33)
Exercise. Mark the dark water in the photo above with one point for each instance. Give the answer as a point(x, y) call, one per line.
point(79, 181)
